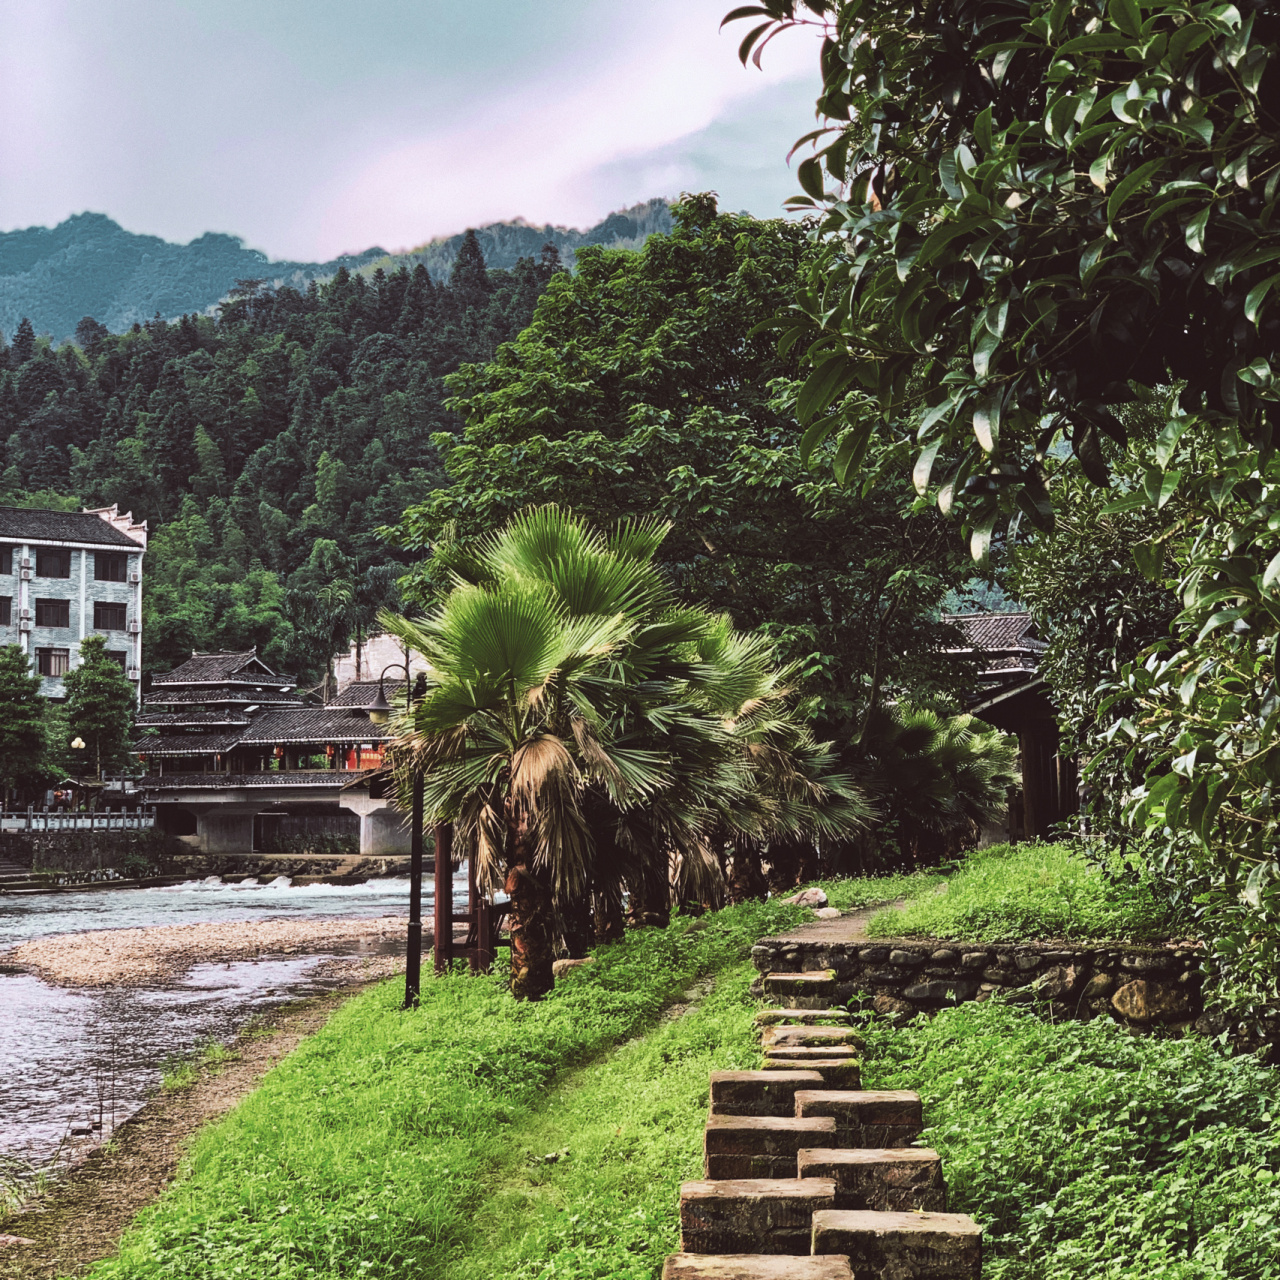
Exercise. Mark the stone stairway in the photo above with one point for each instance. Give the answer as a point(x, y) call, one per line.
point(810, 1177)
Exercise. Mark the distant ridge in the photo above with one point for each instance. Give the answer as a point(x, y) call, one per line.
point(91, 266)
point(503, 242)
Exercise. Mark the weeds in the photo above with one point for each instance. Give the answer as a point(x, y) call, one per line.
point(181, 1072)
point(1091, 1154)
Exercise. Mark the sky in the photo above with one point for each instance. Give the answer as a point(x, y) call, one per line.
point(312, 128)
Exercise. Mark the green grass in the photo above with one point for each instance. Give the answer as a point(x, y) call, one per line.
point(376, 1146)
point(1030, 891)
point(182, 1072)
point(1092, 1154)
point(849, 895)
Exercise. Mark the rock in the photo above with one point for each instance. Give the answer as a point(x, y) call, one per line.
point(974, 960)
point(885, 1005)
point(1143, 1001)
point(826, 913)
point(1057, 982)
point(1027, 961)
point(901, 957)
point(10, 1242)
point(560, 967)
point(873, 955)
point(1145, 963)
point(807, 898)
point(940, 990)
point(1099, 985)
point(944, 956)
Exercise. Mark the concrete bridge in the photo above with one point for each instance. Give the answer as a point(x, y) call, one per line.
point(231, 812)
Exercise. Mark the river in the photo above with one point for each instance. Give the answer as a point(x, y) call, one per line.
point(71, 1056)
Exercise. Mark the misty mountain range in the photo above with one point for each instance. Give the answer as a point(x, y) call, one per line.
point(91, 266)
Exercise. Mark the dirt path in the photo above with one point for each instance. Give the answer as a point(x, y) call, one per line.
point(82, 1218)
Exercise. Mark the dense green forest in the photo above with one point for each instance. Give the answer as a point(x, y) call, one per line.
point(265, 446)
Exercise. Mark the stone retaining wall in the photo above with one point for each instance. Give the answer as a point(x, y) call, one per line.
point(134, 851)
point(1139, 986)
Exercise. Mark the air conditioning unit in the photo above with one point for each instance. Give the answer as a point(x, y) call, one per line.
point(133, 673)
point(24, 624)
point(26, 562)
point(135, 628)
point(25, 575)
point(135, 577)
point(26, 613)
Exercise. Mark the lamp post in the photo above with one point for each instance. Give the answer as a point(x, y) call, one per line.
point(379, 710)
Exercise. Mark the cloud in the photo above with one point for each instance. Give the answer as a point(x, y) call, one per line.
point(313, 127)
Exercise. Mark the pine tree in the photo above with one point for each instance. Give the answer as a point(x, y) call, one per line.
point(24, 343)
point(469, 271)
point(21, 720)
point(100, 705)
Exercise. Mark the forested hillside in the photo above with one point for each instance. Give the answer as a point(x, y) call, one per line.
point(89, 265)
point(264, 446)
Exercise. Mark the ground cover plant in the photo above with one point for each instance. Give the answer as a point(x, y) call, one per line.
point(1029, 891)
point(368, 1150)
point(1088, 1153)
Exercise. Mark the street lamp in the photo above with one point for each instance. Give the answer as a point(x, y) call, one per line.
point(379, 710)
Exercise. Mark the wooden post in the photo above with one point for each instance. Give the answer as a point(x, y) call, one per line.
point(481, 912)
point(444, 896)
point(413, 956)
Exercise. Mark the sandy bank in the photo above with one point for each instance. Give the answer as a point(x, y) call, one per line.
point(145, 957)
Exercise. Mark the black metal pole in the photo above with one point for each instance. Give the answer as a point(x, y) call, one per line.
point(413, 959)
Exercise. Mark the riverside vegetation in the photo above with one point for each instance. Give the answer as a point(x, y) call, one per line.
point(478, 1137)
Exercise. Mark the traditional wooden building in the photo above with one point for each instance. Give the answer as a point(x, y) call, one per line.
point(1011, 696)
point(237, 762)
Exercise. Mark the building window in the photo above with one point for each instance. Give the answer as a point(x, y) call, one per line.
point(110, 566)
point(6, 559)
point(107, 617)
point(6, 610)
point(118, 656)
point(52, 564)
point(53, 662)
point(54, 613)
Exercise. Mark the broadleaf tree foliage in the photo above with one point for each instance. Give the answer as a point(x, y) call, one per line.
point(1032, 213)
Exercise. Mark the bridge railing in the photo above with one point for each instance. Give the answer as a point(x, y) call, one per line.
point(51, 820)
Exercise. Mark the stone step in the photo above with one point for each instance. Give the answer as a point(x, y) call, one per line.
point(752, 1215)
point(837, 1073)
point(809, 1036)
point(753, 1266)
point(761, 1146)
point(866, 1118)
point(843, 1051)
point(814, 989)
point(887, 1180)
point(810, 1017)
point(932, 1246)
point(759, 1093)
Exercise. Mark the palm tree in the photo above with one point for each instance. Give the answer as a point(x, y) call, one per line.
point(581, 728)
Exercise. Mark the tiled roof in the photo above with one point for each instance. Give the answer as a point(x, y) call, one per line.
point(18, 524)
point(220, 696)
point(224, 668)
point(1002, 631)
point(313, 724)
point(360, 693)
point(150, 719)
point(336, 778)
point(185, 744)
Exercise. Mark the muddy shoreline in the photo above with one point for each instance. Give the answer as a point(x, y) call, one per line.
point(142, 957)
point(82, 1217)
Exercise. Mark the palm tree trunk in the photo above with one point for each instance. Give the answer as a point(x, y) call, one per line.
point(532, 919)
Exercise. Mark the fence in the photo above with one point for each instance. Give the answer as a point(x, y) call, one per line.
point(51, 820)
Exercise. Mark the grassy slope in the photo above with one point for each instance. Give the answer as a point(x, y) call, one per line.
point(370, 1148)
point(1028, 891)
point(1092, 1154)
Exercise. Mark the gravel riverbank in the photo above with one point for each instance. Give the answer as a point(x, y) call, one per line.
point(147, 957)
